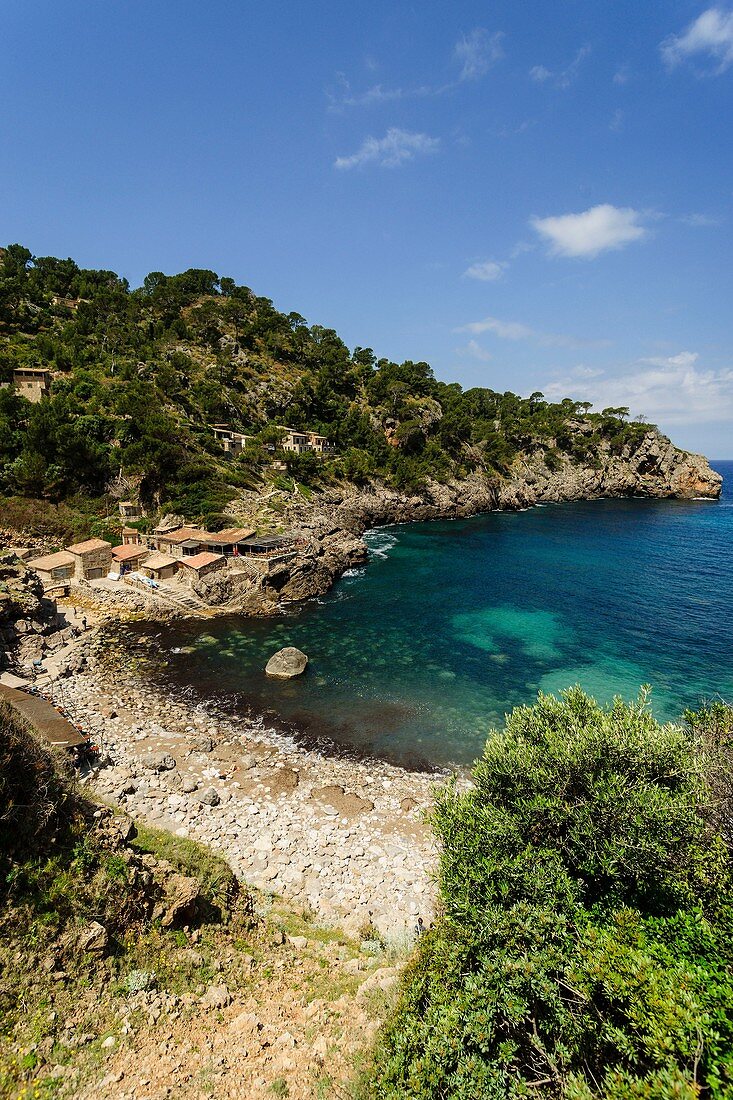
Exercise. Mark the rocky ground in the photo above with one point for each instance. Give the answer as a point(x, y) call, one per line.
point(291, 1016)
point(31, 626)
point(184, 984)
point(344, 837)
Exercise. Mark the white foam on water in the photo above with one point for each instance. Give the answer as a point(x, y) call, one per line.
point(379, 543)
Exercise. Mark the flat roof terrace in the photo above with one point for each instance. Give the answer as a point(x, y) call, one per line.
point(43, 717)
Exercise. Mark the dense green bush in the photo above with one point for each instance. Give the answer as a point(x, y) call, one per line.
point(585, 944)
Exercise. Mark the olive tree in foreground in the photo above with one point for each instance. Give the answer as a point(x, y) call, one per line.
point(585, 943)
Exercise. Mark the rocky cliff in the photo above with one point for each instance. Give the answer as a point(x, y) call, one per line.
point(30, 626)
point(334, 518)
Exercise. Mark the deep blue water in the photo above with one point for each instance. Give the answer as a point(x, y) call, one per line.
point(418, 655)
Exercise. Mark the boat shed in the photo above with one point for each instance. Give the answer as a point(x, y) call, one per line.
point(161, 567)
point(54, 568)
point(202, 564)
point(264, 544)
point(230, 542)
point(128, 558)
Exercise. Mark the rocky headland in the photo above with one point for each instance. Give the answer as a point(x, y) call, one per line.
point(333, 520)
point(328, 525)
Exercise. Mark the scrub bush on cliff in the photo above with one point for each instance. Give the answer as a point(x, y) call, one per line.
point(585, 946)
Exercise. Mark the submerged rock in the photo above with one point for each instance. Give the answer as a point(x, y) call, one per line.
point(287, 663)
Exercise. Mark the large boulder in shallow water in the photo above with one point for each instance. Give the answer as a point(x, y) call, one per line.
point(287, 663)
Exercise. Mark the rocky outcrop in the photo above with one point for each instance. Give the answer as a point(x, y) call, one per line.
point(287, 663)
point(30, 627)
point(654, 468)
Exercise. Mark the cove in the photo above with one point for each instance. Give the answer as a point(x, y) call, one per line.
point(418, 655)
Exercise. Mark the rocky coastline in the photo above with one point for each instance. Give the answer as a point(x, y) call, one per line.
point(329, 524)
point(344, 838)
point(333, 520)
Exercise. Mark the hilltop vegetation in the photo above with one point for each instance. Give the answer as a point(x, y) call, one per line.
point(585, 948)
point(140, 375)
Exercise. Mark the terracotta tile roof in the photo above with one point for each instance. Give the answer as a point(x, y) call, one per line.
point(159, 561)
point(88, 546)
point(124, 553)
point(231, 535)
point(51, 561)
point(198, 561)
point(182, 534)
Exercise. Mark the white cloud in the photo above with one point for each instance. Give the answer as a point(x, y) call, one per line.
point(711, 35)
point(520, 248)
point(564, 77)
point(486, 272)
point(473, 350)
point(477, 52)
point(596, 230)
point(668, 390)
point(617, 121)
point(682, 359)
point(505, 330)
point(700, 221)
point(378, 94)
point(395, 148)
point(515, 330)
point(622, 75)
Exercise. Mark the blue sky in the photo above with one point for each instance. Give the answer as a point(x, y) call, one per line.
point(529, 196)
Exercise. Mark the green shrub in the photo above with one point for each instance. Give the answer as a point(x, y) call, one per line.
point(585, 944)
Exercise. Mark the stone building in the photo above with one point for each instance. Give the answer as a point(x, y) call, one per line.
point(128, 557)
point(54, 569)
point(130, 536)
point(320, 445)
point(296, 442)
point(160, 567)
point(92, 559)
point(302, 443)
point(33, 383)
point(201, 565)
point(181, 543)
point(232, 442)
point(231, 542)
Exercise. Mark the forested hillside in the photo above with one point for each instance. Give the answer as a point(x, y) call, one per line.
point(139, 377)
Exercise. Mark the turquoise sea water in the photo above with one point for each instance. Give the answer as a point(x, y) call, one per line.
point(419, 654)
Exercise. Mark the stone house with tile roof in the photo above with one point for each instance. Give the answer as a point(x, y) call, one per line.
point(92, 559)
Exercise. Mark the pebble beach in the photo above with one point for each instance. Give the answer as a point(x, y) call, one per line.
point(345, 838)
